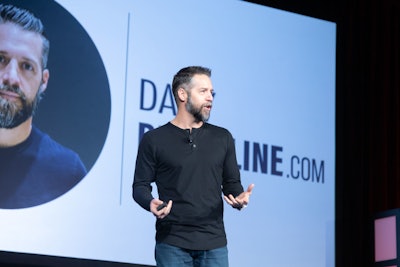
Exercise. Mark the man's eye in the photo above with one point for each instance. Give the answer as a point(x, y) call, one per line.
point(27, 66)
point(2, 59)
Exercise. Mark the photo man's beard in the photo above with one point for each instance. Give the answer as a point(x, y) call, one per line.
point(196, 112)
point(12, 114)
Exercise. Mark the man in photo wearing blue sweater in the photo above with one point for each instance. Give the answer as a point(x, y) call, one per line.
point(34, 169)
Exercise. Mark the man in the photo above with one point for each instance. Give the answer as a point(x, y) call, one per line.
point(192, 163)
point(34, 169)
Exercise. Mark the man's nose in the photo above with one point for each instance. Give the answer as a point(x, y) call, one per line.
point(10, 75)
point(210, 96)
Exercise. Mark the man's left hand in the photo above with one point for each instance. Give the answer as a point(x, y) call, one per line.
point(242, 200)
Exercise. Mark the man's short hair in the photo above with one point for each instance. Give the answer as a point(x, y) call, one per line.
point(184, 76)
point(27, 21)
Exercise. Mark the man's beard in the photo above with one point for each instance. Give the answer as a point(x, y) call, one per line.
point(196, 112)
point(12, 114)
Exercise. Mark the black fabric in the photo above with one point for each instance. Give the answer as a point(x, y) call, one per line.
point(192, 170)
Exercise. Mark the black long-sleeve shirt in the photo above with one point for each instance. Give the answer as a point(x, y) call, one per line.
point(192, 169)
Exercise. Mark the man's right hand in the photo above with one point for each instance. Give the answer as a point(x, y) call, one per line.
point(160, 213)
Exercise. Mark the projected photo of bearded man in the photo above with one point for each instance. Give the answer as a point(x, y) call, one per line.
point(34, 169)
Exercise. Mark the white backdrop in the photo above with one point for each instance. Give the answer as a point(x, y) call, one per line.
point(274, 77)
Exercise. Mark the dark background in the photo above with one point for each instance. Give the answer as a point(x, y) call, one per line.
point(367, 121)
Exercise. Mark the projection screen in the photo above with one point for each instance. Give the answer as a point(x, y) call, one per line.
point(111, 65)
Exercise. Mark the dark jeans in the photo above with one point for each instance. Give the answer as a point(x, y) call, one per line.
point(171, 256)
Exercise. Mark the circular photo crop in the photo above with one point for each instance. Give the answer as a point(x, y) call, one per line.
point(71, 121)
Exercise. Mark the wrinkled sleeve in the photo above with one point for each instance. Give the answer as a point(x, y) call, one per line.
point(144, 173)
point(231, 176)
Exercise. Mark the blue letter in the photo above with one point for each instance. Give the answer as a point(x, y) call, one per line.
point(246, 155)
point(275, 160)
point(261, 156)
point(168, 92)
point(144, 127)
point(319, 174)
point(142, 86)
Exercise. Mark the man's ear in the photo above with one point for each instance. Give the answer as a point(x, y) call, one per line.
point(182, 94)
point(45, 80)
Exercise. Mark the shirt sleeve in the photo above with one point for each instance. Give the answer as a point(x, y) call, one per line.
point(144, 174)
point(231, 175)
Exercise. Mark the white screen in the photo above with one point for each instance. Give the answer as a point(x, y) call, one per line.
point(274, 78)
